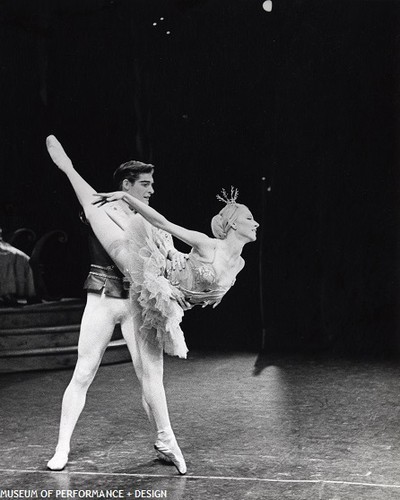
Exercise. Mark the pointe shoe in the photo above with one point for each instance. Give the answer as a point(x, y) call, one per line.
point(162, 457)
point(57, 153)
point(58, 461)
point(170, 456)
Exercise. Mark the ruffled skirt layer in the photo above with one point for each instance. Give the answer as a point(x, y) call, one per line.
point(156, 311)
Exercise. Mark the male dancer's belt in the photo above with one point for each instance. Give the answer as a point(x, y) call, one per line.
point(108, 279)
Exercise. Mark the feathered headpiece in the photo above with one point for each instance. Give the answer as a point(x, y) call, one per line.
point(228, 200)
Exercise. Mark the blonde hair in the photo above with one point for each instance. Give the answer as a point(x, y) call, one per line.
point(223, 221)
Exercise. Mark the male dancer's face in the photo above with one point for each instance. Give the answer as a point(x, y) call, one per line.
point(141, 189)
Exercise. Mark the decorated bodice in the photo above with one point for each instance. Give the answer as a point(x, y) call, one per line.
point(198, 282)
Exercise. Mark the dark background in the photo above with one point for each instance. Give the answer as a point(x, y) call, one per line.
point(306, 96)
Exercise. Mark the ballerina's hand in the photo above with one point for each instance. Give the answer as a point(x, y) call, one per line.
point(104, 198)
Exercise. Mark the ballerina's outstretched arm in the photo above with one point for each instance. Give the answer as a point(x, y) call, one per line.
point(200, 241)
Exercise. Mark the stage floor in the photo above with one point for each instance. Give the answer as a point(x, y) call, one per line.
point(292, 429)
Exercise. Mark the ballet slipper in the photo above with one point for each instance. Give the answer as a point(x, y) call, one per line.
point(57, 154)
point(171, 455)
point(58, 461)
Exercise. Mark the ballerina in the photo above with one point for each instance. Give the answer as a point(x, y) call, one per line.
point(212, 264)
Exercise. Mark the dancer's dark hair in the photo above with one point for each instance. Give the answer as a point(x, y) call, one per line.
point(131, 170)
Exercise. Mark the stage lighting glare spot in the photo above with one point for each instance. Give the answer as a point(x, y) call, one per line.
point(267, 5)
point(154, 24)
point(168, 32)
point(161, 19)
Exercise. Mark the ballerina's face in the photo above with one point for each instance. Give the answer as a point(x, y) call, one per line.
point(245, 225)
point(141, 189)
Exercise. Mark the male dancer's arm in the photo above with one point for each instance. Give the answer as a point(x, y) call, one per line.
point(165, 243)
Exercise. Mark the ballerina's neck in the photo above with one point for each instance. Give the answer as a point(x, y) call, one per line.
point(227, 262)
point(230, 249)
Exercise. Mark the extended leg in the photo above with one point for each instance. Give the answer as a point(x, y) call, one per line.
point(110, 235)
point(97, 326)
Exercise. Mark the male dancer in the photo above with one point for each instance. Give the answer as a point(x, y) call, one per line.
point(107, 305)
